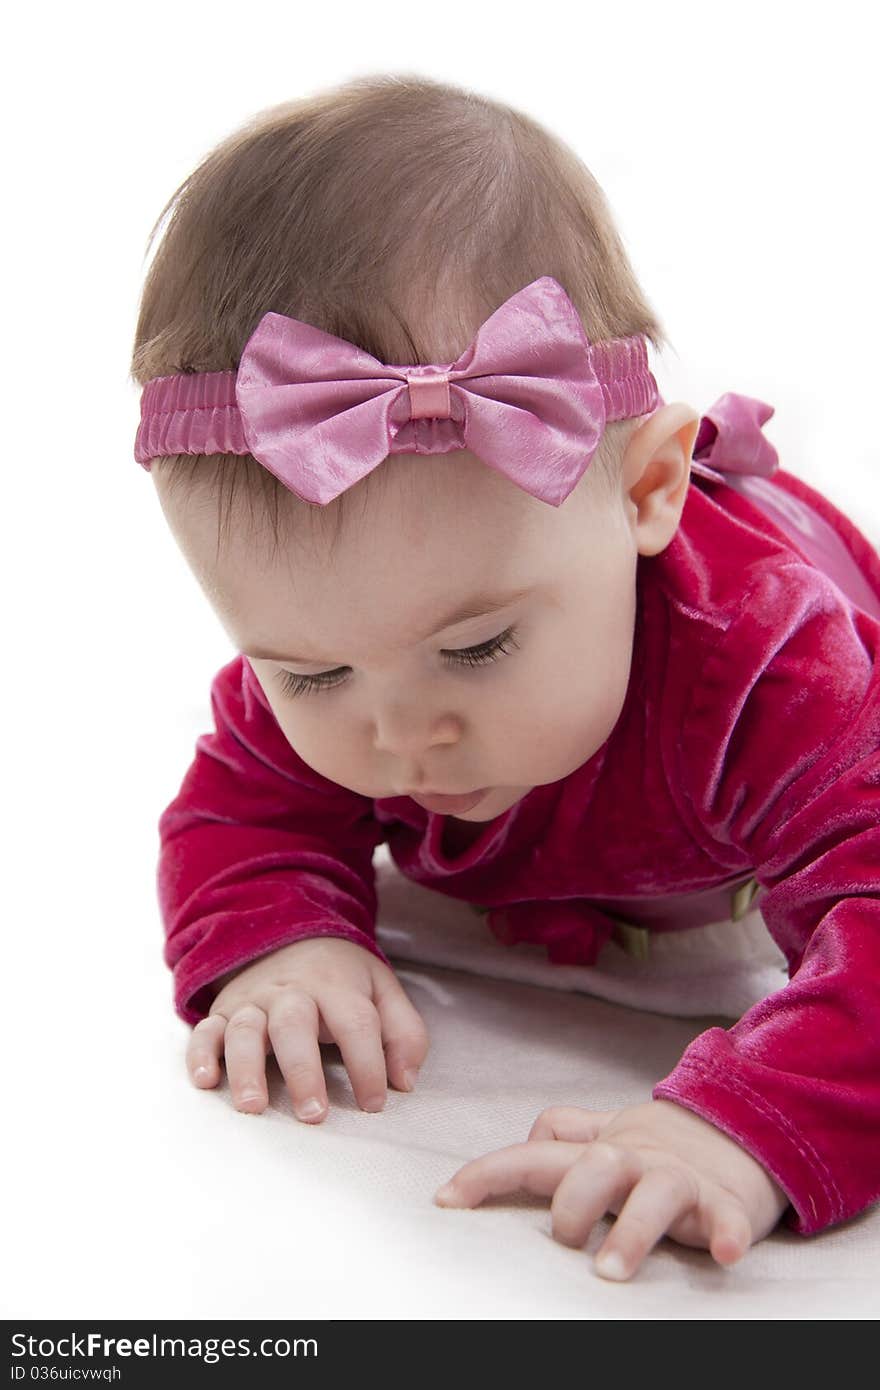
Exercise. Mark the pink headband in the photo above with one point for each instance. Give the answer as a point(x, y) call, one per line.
point(530, 396)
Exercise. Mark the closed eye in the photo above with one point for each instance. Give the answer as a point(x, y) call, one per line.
point(293, 685)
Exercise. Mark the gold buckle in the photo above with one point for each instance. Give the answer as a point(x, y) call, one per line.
point(741, 900)
point(636, 941)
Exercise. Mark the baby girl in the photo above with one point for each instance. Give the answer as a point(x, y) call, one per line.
point(577, 655)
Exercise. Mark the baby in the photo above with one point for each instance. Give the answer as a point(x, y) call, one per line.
point(571, 651)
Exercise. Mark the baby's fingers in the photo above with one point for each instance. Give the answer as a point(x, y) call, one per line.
point(730, 1231)
point(663, 1200)
point(404, 1035)
point(246, 1058)
point(657, 1200)
point(570, 1122)
point(204, 1049)
point(354, 1023)
point(536, 1166)
point(293, 1030)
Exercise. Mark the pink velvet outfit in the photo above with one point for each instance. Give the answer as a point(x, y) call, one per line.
point(746, 757)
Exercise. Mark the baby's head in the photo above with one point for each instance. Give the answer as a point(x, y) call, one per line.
point(436, 628)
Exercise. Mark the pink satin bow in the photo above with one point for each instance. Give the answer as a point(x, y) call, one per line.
point(529, 395)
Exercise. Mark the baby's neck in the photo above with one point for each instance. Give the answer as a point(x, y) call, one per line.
point(459, 835)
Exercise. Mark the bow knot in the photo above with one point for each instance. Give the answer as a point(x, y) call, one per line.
point(429, 394)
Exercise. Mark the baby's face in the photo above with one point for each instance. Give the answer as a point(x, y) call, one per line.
point(375, 681)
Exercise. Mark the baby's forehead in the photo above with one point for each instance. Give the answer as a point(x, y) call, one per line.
point(452, 501)
point(435, 524)
point(457, 484)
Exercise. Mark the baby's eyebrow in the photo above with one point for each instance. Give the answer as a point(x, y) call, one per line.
point(477, 606)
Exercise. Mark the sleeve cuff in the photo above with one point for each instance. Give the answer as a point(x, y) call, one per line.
point(726, 1100)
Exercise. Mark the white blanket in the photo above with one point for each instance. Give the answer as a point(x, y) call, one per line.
point(722, 969)
point(138, 1196)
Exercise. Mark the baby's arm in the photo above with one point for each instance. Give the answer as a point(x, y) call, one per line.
point(780, 745)
point(775, 744)
point(263, 862)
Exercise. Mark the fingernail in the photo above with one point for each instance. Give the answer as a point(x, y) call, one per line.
point(250, 1098)
point(309, 1108)
point(374, 1103)
point(446, 1195)
point(201, 1074)
point(410, 1077)
point(610, 1265)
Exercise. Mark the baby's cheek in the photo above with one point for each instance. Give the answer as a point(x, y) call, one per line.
point(575, 724)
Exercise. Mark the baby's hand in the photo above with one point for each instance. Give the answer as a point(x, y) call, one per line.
point(658, 1166)
point(319, 990)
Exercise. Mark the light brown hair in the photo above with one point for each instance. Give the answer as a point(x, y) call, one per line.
point(394, 211)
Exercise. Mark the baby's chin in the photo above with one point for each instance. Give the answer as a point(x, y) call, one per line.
point(500, 799)
point(495, 803)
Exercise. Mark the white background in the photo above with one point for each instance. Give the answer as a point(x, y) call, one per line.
point(737, 147)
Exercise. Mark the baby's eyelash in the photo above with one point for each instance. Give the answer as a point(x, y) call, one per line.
point(293, 685)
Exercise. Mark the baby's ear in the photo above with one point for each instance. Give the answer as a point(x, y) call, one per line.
point(656, 472)
point(680, 421)
point(689, 431)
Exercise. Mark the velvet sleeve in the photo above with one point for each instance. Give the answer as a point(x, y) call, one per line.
point(257, 850)
point(779, 755)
